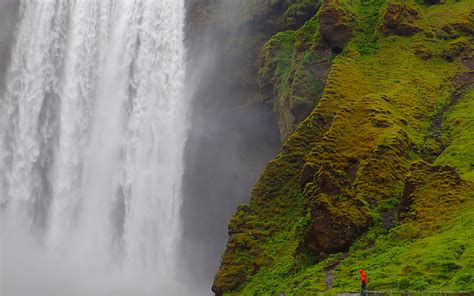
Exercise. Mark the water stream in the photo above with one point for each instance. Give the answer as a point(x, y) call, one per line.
point(93, 126)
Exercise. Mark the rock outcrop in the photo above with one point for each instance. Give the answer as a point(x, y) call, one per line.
point(400, 18)
point(294, 64)
point(335, 226)
point(460, 48)
point(335, 25)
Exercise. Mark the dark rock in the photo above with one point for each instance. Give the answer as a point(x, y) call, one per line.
point(431, 2)
point(335, 227)
point(267, 16)
point(271, 16)
point(457, 29)
point(459, 48)
point(351, 169)
point(337, 216)
point(407, 198)
point(328, 183)
point(388, 218)
point(298, 13)
point(423, 52)
point(306, 175)
point(334, 26)
point(400, 19)
point(332, 182)
point(300, 110)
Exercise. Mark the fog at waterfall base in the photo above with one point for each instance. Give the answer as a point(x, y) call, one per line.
point(28, 269)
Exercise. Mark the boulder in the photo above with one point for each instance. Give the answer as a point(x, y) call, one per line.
point(334, 25)
point(459, 48)
point(335, 225)
point(400, 19)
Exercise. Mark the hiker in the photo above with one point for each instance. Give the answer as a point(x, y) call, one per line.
point(363, 282)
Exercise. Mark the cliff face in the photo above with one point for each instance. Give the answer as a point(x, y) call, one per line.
point(375, 104)
point(242, 27)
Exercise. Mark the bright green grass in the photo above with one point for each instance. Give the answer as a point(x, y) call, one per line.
point(444, 261)
point(438, 16)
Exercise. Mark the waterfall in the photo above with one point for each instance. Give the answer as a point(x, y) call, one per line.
point(92, 127)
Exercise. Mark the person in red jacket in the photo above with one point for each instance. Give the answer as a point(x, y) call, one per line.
point(363, 282)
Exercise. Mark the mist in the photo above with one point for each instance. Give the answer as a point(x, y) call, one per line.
point(8, 16)
point(27, 268)
point(232, 136)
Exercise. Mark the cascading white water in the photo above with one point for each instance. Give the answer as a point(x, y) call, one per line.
point(92, 129)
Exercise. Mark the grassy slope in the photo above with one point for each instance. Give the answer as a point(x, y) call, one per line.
point(442, 261)
point(380, 98)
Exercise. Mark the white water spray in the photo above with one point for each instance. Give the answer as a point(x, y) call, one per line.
point(92, 129)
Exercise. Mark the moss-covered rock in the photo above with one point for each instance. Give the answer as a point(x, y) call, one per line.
point(400, 18)
point(291, 81)
point(461, 47)
point(293, 71)
point(335, 224)
point(353, 176)
point(335, 25)
point(271, 16)
point(299, 12)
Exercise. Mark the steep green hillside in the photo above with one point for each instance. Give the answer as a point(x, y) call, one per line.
point(380, 174)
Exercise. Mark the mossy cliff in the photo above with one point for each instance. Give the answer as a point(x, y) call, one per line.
point(375, 104)
point(240, 28)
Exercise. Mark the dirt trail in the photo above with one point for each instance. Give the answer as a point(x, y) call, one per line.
point(328, 270)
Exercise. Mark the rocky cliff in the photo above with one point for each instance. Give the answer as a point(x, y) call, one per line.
point(374, 103)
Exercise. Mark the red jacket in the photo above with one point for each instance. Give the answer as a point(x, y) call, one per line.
point(363, 277)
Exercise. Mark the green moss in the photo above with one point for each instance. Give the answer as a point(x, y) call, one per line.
point(293, 73)
point(460, 153)
point(358, 157)
point(459, 48)
point(438, 262)
point(368, 15)
point(298, 10)
point(449, 23)
point(276, 57)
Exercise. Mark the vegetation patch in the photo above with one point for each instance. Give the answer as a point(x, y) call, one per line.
point(353, 187)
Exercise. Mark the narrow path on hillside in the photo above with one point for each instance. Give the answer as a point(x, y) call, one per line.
point(328, 270)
